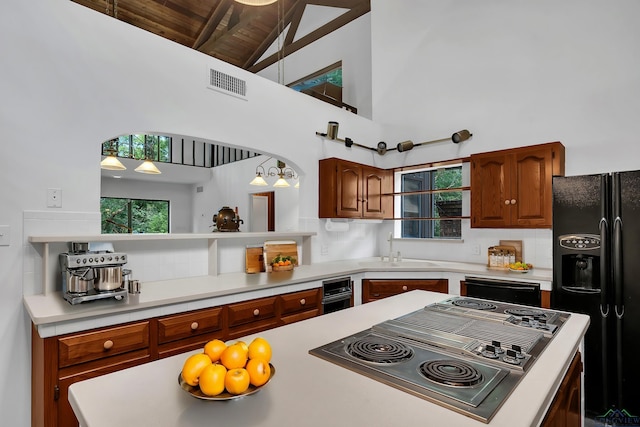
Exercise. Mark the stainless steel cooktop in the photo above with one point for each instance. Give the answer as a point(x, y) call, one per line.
point(465, 354)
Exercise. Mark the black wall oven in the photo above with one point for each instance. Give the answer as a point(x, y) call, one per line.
point(525, 293)
point(337, 294)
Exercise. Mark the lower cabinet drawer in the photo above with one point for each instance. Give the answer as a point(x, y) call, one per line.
point(299, 301)
point(89, 346)
point(251, 311)
point(181, 326)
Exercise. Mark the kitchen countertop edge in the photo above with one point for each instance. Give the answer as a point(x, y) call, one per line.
point(51, 308)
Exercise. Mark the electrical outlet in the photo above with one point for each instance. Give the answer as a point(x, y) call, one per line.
point(324, 250)
point(476, 250)
point(54, 198)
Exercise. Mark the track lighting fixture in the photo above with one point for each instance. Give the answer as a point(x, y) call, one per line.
point(381, 148)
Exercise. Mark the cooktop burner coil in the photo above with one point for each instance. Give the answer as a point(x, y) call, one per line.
point(474, 304)
point(451, 372)
point(379, 350)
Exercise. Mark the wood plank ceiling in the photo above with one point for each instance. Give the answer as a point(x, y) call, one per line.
point(227, 30)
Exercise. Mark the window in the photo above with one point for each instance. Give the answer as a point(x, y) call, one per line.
point(140, 147)
point(326, 85)
point(134, 216)
point(429, 202)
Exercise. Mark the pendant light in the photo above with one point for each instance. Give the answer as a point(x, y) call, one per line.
point(148, 167)
point(258, 180)
point(256, 2)
point(112, 163)
point(280, 170)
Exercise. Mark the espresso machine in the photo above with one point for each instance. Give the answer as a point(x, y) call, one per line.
point(91, 275)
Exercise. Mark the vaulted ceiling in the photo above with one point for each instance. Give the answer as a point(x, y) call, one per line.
point(230, 31)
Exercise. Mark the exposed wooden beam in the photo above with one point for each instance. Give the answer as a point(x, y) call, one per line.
point(212, 23)
point(331, 26)
point(245, 21)
point(273, 35)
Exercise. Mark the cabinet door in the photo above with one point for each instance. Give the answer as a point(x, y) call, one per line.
point(377, 186)
point(531, 195)
point(349, 197)
point(490, 201)
point(565, 408)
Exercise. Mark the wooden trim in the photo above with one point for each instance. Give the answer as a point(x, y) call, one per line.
point(545, 299)
point(442, 190)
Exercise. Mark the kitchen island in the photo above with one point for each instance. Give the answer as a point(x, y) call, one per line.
point(309, 391)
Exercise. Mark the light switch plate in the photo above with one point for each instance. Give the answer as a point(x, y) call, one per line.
point(5, 235)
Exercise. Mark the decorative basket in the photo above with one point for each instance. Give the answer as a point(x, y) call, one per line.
point(282, 267)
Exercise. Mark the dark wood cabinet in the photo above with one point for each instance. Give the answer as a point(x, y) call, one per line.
point(183, 332)
point(375, 289)
point(252, 316)
point(565, 408)
point(58, 362)
point(297, 306)
point(512, 188)
point(352, 190)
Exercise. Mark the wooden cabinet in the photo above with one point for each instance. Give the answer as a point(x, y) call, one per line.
point(375, 289)
point(250, 317)
point(187, 331)
point(512, 188)
point(297, 306)
point(565, 408)
point(352, 190)
point(58, 362)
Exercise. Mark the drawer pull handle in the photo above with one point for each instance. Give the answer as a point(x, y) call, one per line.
point(194, 326)
point(506, 202)
point(107, 345)
point(404, 288)
point(513, 201)
point(256, 312)
point(303, 301)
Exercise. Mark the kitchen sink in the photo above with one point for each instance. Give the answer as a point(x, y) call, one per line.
point(403, 263)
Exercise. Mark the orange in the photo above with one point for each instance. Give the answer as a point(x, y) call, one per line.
point(280, 262)
point(214, 349)
point(259, 371)
point(212, 379)
point(234, 356)
point(287, 262)
point(236, 381)
point(193, 366)
point(242, 344)
point(260, 349)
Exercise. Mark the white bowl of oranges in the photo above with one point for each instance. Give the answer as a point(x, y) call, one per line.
point(227, 371)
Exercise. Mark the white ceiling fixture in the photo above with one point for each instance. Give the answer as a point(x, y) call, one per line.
point(256, 2)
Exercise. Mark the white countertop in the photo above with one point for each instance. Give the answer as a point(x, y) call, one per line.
point(308, 391)
point(178, 295)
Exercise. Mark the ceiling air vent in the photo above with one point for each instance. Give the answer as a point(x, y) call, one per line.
point(227, 84)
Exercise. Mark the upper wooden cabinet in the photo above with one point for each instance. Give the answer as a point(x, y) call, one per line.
point(352, 190)
point(512, 188)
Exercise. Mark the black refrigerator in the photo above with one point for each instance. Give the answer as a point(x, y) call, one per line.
point(596, 271)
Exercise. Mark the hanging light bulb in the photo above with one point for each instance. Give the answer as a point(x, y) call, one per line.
point(112, 163)
point(148, 167)
point(258, 180)
point(281, 182)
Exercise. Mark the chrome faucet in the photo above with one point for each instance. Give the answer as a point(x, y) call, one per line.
point(390, 239)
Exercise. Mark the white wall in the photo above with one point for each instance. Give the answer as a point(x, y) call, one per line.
point(179, 197)
point(514, 73)
point(355, 57)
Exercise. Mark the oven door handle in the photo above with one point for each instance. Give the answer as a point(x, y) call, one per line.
point(336, 297)
point(510, 287)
